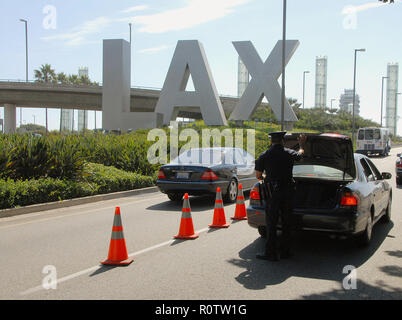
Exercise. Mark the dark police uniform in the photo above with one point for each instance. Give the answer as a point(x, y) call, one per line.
point(277, 162)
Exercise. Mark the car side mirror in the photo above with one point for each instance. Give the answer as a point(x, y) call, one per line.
point(386, 175)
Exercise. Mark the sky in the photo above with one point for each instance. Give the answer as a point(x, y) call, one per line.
point(69, 35)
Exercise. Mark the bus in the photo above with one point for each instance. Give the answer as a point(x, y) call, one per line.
point(373, 140)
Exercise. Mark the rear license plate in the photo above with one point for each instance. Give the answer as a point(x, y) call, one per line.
point(182, 175)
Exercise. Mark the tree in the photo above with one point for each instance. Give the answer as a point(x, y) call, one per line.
point(74, 79)
point(85, 80)
point(45, 74)
point(62, 78)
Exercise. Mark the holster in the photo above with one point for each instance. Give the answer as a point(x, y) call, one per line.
point(267, 190)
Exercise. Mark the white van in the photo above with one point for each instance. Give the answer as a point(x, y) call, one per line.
point(373, 141)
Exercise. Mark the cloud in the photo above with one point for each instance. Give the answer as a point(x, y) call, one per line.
point(365, 6)
point(153, 50)
point(77, 35)
point(135, 8)
point(195, 13)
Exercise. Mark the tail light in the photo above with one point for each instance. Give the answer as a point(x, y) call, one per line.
point(255, 194)
point(349, 199)
point(161, 175)
point(209, 175)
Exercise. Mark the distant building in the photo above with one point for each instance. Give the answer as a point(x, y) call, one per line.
point(346, 102)
point(66, 120)
point(391, 113)
point(321, 74)
point(82, 114)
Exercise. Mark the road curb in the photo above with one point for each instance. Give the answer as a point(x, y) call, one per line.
point(73, 202)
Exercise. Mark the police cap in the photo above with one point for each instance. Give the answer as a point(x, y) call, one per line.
point(277, 135)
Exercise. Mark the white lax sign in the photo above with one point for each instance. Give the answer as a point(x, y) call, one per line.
point(190, 58)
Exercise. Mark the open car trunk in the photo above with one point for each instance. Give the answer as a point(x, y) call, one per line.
point(326, 167)
point(316, 194)
point(327, 150)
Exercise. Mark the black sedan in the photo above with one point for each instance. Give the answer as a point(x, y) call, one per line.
point(202, 171)
point(337, 191)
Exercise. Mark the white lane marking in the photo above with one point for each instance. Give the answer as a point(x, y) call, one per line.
point(95, 268)
point(64, 215)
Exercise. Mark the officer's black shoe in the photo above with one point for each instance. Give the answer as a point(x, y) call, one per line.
point(269, 257)
point(286, 254)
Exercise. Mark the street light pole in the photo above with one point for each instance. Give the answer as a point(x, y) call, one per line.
point(130, 24)
point(354, 93)
point(382, 97)
point(304, 84)
point(283, 65)
point(26, 58)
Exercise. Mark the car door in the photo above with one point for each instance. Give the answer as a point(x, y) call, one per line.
point(383, 194)
point(373, 185)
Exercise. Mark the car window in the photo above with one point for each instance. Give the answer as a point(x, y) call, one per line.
point(375, 170)
point(361, 135)
point(200, 156)
point(239, 157)
point(319, 172)
point(229, 157)
point(367, 171)
point(248, 158)
point(377, 134)
point(369, 134)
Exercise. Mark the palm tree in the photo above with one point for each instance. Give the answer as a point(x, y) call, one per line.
point(62, 78)
point(45, 74)
point(85, 80)
point(74, 79)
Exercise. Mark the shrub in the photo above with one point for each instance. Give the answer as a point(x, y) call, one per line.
point(27, 158)
point(110, 179)
point(97, 179)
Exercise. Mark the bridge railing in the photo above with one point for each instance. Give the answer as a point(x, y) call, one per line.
point(99, 84)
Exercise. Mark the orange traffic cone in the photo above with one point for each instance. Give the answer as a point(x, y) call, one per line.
point(186, 225)
point(117, 249)
point(219, 220)
point(241, 212)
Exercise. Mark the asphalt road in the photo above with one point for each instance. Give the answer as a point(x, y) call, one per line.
point(219, 265)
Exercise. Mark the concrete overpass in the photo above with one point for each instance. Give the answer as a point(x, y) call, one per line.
point(79, 97)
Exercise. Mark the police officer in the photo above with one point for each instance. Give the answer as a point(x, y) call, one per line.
point(277, 162)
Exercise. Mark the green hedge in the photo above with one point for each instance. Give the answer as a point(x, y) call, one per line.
point(110, 179)
point(97, 179)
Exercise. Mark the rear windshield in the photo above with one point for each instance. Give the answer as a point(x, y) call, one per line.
point(369, 134)
point(200, 156)
point(319, 172)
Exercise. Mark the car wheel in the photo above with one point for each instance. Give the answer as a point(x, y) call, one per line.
point(365, 237)
point(386, 218)
point(262, 230)
point(175, 196)
point(231, 193)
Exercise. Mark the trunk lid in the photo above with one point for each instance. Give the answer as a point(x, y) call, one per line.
point(183, 172)
point(326, 150)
